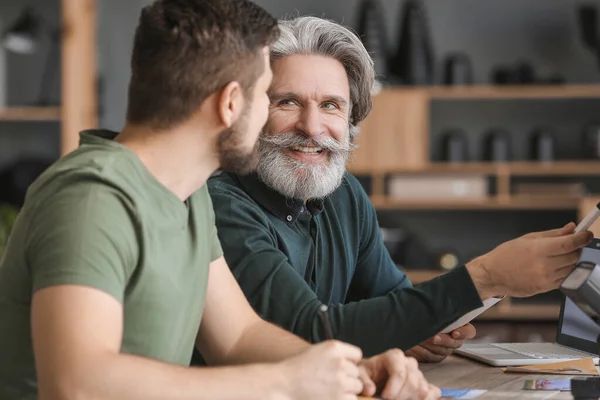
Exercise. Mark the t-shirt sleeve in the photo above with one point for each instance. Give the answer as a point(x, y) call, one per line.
point(205, 203)
point(84, 236)
point(215, 250)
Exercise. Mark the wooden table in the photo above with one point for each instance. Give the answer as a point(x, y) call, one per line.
point(460, 373)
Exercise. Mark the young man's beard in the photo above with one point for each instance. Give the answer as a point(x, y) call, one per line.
point(233, 157)
point(294, 178)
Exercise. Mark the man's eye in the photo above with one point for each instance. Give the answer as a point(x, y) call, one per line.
point(287, 102)
point(330, 105)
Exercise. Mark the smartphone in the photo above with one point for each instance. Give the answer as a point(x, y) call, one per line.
point(589, 219)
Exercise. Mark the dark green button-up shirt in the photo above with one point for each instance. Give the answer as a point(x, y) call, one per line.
point(289, 258)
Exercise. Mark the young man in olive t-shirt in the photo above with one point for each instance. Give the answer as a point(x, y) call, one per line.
point(113, 272)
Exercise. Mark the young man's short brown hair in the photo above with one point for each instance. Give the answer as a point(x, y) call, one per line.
point(185, 50)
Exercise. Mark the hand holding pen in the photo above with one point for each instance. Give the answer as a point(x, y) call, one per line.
point(328, 370)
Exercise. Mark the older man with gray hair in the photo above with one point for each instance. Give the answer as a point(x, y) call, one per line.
point(301, 232)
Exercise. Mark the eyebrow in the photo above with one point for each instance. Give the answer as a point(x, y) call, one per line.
point(276, 97)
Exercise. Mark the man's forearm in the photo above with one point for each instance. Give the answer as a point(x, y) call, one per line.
point(408, 316)
point(265, 342)
point(402, 318)
point(123, 376)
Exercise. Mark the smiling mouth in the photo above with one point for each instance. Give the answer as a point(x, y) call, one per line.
point(308, 150)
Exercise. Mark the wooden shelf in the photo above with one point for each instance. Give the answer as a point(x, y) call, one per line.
point(397, 133)
point(505, 200)
point(453, 168)
point(520, 202)
point(567, 167)
point(78, 108)
point(506, 92)
point(518, 312)
point(30, 114)
point(555, 168)
point(436, 167)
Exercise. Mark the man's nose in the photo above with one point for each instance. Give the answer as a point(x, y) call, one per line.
point(310, 121)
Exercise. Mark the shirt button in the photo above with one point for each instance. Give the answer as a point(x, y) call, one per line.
point(289, 218)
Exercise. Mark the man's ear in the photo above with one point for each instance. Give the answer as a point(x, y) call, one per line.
point(230, 103)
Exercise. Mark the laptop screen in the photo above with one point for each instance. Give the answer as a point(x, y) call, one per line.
point(575, 328)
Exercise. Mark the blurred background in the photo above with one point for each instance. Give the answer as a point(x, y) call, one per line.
point(485, 125)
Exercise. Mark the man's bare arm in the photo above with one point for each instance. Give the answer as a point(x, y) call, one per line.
point(232, 333)
point(77, 337)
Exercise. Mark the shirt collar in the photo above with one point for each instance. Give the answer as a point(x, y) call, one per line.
point(284, 208)
point(98, 136)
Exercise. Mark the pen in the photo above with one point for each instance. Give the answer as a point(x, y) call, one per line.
point(325, 320)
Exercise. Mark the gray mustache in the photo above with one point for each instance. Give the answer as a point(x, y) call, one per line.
point(291, 139)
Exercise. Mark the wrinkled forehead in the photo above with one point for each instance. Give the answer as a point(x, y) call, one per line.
point(310, 76)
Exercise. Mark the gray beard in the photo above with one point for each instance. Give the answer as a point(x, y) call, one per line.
point(297, 180)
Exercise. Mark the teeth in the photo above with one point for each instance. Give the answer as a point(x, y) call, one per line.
point(308, 150)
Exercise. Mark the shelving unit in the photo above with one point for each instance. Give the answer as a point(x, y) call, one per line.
point(30, 114)
point(77, 110)
point(395, 140)
point(397, 143)
point(493, 203)
point(496, 92)
point(516, 168)
point(503, 172)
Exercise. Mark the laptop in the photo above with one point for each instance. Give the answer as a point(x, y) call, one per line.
point(575, 337)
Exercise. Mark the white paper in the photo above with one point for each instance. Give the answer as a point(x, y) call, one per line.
point(468, 317)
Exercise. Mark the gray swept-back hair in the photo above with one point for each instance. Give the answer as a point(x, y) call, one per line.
point(312, 35)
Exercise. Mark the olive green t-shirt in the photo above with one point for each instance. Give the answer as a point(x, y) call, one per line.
point(98, 218)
